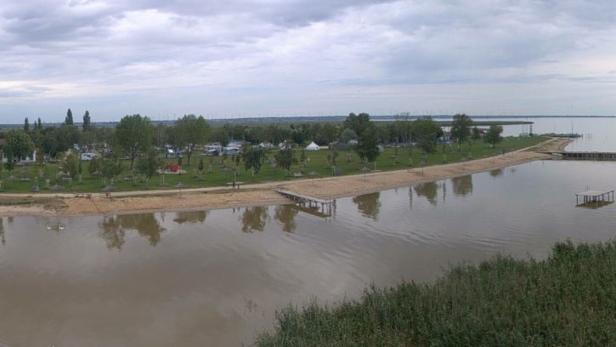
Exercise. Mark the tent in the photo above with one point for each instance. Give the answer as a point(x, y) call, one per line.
point(313, 147)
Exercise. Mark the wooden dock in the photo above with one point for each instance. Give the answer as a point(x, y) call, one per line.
point(596, 156)
point(320, 207)
point(594, 198)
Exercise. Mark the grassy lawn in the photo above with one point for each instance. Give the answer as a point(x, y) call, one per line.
point(218, 171)
point(567, 300)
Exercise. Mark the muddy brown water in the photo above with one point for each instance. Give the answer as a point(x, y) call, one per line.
point(217, 277)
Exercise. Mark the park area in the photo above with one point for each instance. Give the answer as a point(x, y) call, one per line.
point(218, 171)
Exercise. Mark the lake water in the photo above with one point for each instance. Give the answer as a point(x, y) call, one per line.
point(217, 277)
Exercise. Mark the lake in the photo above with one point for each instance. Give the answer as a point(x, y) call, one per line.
point(217, 277)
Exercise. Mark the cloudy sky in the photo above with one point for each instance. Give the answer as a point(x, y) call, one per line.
point(165, 58)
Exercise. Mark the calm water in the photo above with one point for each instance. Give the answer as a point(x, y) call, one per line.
point(217, 277)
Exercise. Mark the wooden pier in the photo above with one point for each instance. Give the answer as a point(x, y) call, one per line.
point(320, 207)
point(596, 156)
point(594, 198)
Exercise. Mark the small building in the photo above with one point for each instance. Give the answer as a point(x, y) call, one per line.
point(313, 147)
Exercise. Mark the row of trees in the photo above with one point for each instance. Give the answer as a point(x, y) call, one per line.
point(135, 137)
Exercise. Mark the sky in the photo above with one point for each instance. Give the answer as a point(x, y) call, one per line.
point(250, 58)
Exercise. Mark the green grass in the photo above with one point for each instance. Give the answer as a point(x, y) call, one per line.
point(218, 173)
point(568, 299)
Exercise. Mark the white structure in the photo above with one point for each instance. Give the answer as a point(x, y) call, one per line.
point(213, 149)
point(266, 145)
point(27, 160)
point(313, 147)
point(88, 156)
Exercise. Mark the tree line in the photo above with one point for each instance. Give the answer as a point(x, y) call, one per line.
point(139, 140)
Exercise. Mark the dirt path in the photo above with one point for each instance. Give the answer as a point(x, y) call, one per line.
point(258, 194)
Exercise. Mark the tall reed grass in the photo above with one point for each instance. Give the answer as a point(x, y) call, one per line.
point(569, 299)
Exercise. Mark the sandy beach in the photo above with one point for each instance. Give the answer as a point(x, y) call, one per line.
point(258, 194)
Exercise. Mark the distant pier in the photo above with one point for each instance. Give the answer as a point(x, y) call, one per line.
point(595, 156)
point(594, 198)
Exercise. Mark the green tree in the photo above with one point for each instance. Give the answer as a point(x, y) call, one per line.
point(26, 125)
point(426, 133)
point(348, 135)
point(284, 158)
point(69, 117)
point(94, 167)
point(493, 135)
point(148, 164)
point(111, 168)
point(476, 134)
point(134, 135)
point(461, 128)
point(191, 131)
point(18, 146)
point(201, 166)
point(253, 157)
point(86, 125)
point(367, 148)
point(70, 165)
point(358, 123)
point(39, 124)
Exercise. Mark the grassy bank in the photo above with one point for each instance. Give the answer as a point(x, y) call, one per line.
point(218, 171)
point(567, 300)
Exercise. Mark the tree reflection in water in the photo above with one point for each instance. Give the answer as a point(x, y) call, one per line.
point(429, 190)
point(191, 217)
point(254, 218)
point(285, 214)
point(113, 228)
point(496, 173)
point(462, 185)
point(368, 205)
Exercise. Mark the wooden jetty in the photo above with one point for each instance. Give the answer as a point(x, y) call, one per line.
point(594, 198)
point(596, 156)
point(320, 207)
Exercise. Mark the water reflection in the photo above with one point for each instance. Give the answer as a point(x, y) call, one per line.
point(496, 173)
point(191, 217)
point(2, 238)
point(254, 219)
point(429, 190)
point(368, 205)
point(285, 214)
point(113, 229)
point(462, 185)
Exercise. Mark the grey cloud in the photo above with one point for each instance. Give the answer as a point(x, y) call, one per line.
point(88, 50)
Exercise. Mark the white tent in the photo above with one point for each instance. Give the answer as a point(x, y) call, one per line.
point(313, 147)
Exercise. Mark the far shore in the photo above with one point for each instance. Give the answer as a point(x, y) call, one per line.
point(259, 194)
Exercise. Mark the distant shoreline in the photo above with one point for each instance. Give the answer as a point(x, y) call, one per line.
point(217, 120)
point(60, 205)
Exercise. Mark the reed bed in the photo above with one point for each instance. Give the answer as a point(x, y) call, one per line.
point(568, 299)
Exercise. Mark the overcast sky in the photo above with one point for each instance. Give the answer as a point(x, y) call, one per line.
point(165, 58)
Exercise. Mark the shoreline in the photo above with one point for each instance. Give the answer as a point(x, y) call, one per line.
point(67, 205)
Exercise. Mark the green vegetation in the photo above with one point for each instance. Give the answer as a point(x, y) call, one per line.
point(134, 153)
point(568, 299)
point(219, 170)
